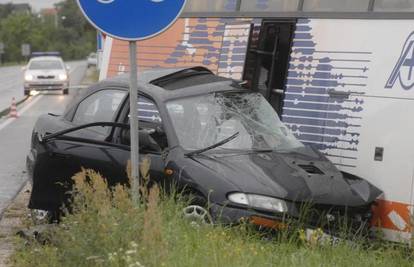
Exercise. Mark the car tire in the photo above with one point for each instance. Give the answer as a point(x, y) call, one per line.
point(66, 91)
point(41, 217)
point(26, 92)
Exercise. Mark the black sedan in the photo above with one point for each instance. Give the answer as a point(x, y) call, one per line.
point(204, 133)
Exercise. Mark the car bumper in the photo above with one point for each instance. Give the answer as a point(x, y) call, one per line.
point(42, 86)
point(281, 221)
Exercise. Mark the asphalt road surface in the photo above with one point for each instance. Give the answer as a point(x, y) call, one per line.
point(11, 85)
point(15, 134)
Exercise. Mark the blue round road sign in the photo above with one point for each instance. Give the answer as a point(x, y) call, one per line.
point(132, 19)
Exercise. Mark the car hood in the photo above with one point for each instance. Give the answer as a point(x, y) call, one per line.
point(45, 72)
point(291, 176)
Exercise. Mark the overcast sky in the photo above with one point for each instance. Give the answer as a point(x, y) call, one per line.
point(36, 4)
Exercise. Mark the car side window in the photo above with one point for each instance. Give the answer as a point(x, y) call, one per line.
point(149, 118)
point(99, 107)
point(148, 111)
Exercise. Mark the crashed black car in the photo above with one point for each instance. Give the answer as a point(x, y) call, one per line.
point(204, 133)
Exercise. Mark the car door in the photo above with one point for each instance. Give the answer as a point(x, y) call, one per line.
point(94, 149)
point(149, 120)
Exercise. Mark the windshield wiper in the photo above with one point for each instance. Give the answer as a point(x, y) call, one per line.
point(252, 150)
point(44, 139)
point(222, 142)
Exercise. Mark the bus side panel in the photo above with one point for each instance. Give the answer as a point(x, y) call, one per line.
point(386, 158)
point(218, 44)
point(349, 93)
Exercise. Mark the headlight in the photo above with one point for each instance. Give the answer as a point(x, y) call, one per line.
point(239, 198)
point(28, 77)
point(258, 201)
point(63, 77)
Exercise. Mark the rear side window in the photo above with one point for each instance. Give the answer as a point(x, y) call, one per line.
point(148, 111)
point(99, 107)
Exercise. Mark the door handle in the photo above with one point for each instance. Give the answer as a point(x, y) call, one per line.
point(59, 155)
point(261, 52)
point(338, 94)
point(278, 91)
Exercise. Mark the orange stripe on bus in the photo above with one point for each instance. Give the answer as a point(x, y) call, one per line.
point(385, 211)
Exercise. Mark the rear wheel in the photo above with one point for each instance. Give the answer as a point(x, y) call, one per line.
point(40, 217)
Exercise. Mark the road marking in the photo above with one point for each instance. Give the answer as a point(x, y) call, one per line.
point(23, 110)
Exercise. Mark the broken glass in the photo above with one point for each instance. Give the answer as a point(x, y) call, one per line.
point(205, 120)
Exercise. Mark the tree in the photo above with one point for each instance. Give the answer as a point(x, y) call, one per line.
point(5, 10)
point(15, 30)
point(72, 35)
point(76, 33)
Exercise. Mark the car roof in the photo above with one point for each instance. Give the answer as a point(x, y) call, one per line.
point(148, 83)
point(176, 82)
point(42, 58)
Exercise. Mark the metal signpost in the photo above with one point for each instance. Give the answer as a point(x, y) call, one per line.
point(132, 20)
point(1, 52)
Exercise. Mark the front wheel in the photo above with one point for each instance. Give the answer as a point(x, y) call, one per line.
point(26, 92)
point(197, 215)
point(197, 212)
point(66, 91)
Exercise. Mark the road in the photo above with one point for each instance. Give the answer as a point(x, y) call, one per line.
point(15, 134)
point(11, 85)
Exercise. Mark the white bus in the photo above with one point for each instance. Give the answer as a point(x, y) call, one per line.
point(340, 73)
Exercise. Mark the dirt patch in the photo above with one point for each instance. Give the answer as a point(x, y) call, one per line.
point(91, 76)
point(14, 219)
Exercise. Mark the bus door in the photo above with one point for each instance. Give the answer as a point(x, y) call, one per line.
point(267, 60)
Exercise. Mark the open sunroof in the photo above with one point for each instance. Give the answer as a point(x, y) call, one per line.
point(187, 78)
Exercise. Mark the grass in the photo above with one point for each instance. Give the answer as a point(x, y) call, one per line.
point(107, 229)
point(91, 76)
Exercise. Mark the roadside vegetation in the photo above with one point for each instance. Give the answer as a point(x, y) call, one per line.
point(107, 229)
point(67, 31)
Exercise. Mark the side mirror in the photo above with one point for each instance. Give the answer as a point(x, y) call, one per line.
point(146, 140)
point(23, 68)
point(67, 67)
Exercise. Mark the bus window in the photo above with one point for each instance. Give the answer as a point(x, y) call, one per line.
point(394, 5)
point(271, 5)
point(336, 5)
point(210, 6)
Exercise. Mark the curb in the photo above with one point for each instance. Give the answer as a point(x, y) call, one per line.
point(13, 198)
point(7, 110)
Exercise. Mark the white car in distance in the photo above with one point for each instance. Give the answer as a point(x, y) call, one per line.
point(92, 60)
point(46, 73)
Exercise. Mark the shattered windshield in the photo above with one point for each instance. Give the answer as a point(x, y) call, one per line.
point(205, 120)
